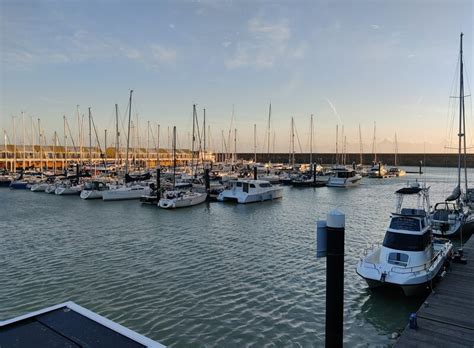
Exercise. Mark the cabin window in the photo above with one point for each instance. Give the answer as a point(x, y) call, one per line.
point(252, 185)
point(245, 186)
point(238, 184)
point(405, 223)
point(408, 242)
point(398, 259)
point(265, 184)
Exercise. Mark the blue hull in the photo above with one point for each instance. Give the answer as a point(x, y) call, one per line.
point(18, 185)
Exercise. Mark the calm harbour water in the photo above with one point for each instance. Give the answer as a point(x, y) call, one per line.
point(213, 275)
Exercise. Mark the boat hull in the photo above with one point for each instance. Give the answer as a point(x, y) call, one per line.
point(91, 194)
point(120, 195)
point(182, 202)
point(251, 198)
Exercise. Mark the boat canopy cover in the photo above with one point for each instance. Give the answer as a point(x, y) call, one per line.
point(454, 195)
point(409, 190)
point(129, 178)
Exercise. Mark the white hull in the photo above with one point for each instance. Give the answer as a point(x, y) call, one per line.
point(63, 191)
point(91, 194)
point(184, 201)
point(340, 182)
point(125, 193)
point(241, 197)
point(39, 187)
point(412, 280)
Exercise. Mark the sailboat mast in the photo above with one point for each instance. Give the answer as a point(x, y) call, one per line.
point(204, 130)
point(117, 136)
point(311, 142)
point(148, 145)
point(235, 144)
point(54, 152)
point(79, 128)
point(462, 126)
point(255, 143)
point(158, 146)
point(374, 144)
point(65, 143)
point(396, 150)
point(337, 141)
point(193, 139)
point(292, 142)
point(40, 146)
point(14, 144)
point(128, 131)
point(174, 157)
point(32, 141)
point(360, 145)
point(268, 129)
point(90, 139)
point(24, 140)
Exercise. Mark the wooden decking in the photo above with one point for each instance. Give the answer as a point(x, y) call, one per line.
point(446, 319)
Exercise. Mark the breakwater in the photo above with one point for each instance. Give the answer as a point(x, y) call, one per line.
point(404, 159)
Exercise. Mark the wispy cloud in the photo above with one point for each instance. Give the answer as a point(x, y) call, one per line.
point(81, 46)
point(264, 43)
point(375, 26)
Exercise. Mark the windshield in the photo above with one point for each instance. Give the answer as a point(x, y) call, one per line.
point(408, 242)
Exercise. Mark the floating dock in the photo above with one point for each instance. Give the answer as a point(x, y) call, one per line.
point(446, 319)
point(69, 325)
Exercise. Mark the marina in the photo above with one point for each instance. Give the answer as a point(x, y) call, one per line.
point(236, 174)
point(193, 276)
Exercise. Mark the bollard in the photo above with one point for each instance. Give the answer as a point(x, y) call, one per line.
point(314, 173)
point(255, 173)
point(158, 182)
point(335, 278)
point(412, 322)
point(207, 181)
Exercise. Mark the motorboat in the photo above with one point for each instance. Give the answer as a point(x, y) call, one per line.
point(39, 187)
point(447, 219)
point(134, 191)
point(93, 190)
point(378, 171)
point(344, 177)
point(181, 199)
point(409, 257)
point(248, 191)
point(396, 171)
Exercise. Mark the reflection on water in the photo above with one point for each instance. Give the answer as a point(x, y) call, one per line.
point(214, 275)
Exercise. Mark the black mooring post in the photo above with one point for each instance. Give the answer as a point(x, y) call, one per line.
point(207, 181)
point(335, 279)
point(255, 173)
point(314, 173)
point(421, 164)
point(158, 182)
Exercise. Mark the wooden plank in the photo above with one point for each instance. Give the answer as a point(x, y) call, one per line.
point(446, 319)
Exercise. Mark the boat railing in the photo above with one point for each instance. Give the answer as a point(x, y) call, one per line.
point(419, 268)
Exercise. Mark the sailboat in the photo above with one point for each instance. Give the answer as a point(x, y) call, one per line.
point(129, 190)
point(395, 170)
point(179, 198)
point(449, 217)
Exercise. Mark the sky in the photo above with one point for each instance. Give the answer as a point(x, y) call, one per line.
point(349, 63)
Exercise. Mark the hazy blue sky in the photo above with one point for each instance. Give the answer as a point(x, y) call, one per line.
point(346, 62)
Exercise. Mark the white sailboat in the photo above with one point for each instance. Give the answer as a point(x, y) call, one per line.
point(178, 198)
point(128, 190)
point(450, 217)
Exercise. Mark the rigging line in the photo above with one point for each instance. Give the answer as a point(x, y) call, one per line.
point(72, 138)
point(297, 137)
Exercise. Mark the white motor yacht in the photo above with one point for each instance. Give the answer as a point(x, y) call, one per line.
point(181, 199)
point(248, 191)
point(409, 258)
point(378, 170)
point(344, 177)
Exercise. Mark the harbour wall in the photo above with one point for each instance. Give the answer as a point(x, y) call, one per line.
point(404, 159)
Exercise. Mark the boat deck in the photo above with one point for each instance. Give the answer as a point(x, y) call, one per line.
point(446, 319)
